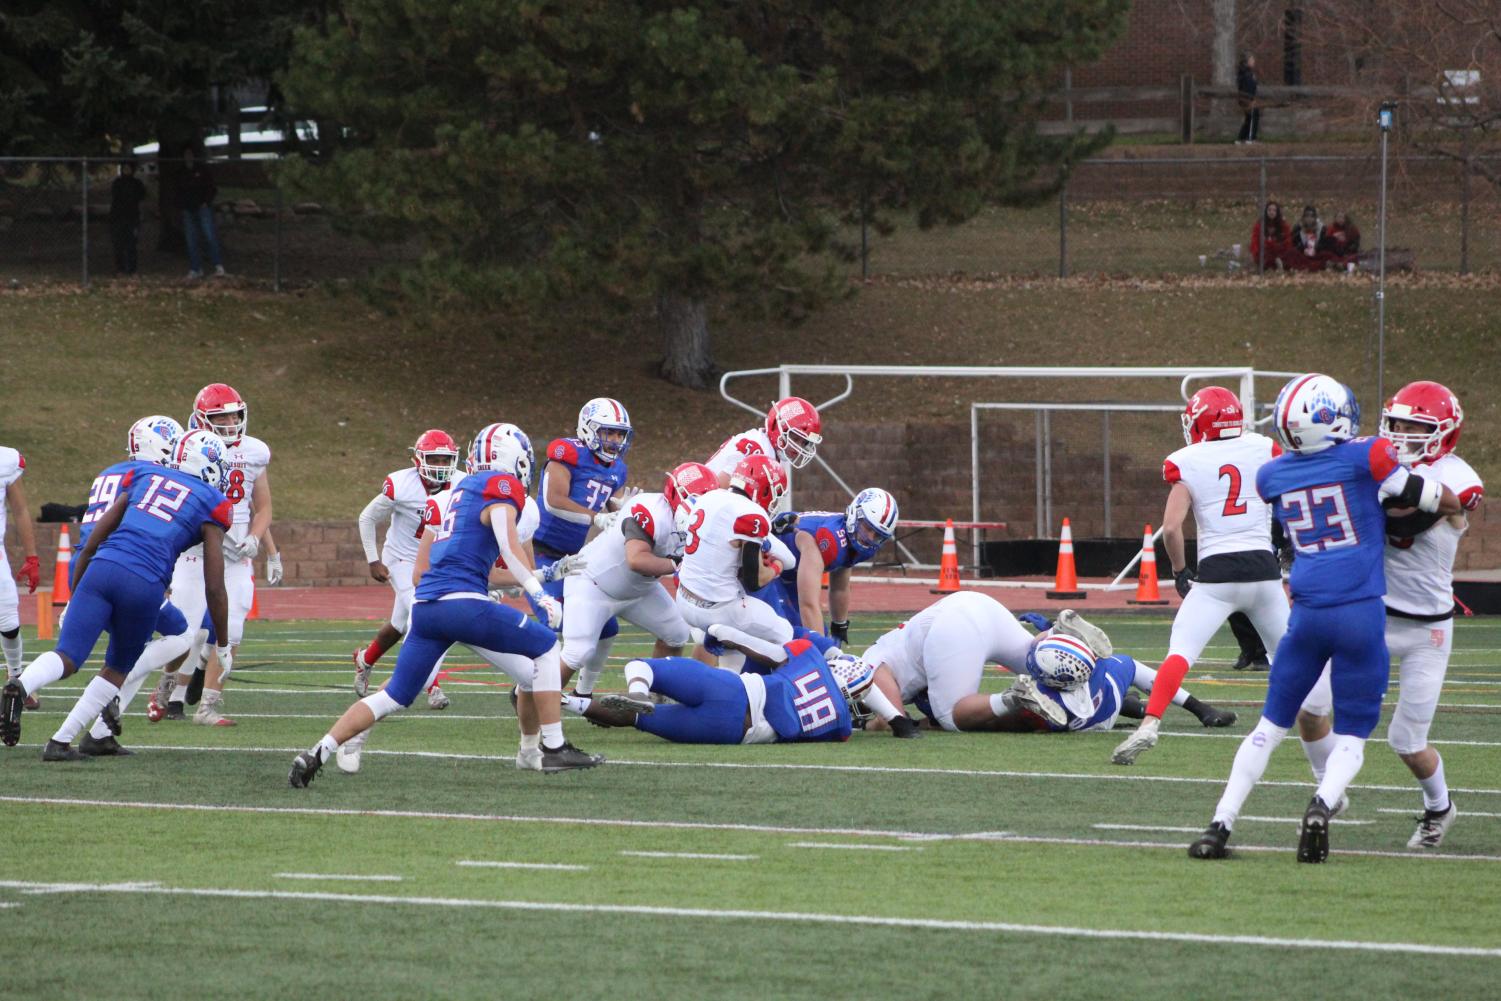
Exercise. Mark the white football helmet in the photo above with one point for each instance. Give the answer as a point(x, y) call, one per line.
point(151, 439)
point(603, 414)
point(503, 448)
point(1315, 412)
point(854, 675)
point(1060, 662)
point(200, 453)
point(870, 519)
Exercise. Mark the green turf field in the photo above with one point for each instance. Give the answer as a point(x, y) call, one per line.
point(955, 866)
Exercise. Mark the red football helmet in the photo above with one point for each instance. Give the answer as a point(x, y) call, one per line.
point(687, 483)
point(1213, 413)
point(761, 478)
point(1429, 404)
point(436, 456)
point(220, 400)
point(794, 428)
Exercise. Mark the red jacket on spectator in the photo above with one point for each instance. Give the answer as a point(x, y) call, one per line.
point(1340, 239)
point(1278, 242)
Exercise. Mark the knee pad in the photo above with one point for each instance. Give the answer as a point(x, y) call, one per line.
point(578, 651)
point(381, 704)
point(11, 634)
point(549, 677)
point(1407, 736)
point(611, 629)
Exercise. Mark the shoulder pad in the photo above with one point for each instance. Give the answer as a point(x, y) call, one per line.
point(563, 450)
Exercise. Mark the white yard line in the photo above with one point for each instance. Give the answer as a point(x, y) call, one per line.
point(488, 864)
point(1413, 812)
point(708, 856)
point(788, 917)
point(353, 877)
point(861, 848)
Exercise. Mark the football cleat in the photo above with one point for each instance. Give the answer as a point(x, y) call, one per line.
point(1212, 843)
point(626, 702)
point(32, 703)
point(347, 757)
point(110, 716)
point(106, 747)
point(529, 759)
point(436, 699)
point(568, 758)
point(1071, 623)
point(1213, 717)
point(1251, 662)
point(1432, 826)
point(1024, 694)
point(1313, 833)
point(208, 714)
point(56, 750)
point(12, 698)
point(175, 711)
point(1143, 738)
point(361, 674)
point(305, 768)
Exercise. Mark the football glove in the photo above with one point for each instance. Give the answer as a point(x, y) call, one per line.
point(840, 631)
point(1183, 581)
point(31, 573)
point(502, 593)
point(273, 569)
point(565, 567)
point(1036, 620)
point(605, 519)
point(250, 548)
point(784, 522)
point(552, 611)
point(226, 659)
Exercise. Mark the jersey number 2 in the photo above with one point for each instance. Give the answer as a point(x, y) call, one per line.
point(1233, 504)
point(693, 527)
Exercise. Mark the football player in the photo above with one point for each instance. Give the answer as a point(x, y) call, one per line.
point(831, 542)
point(12, 466)
point(583, 484)
point(1423, 421)
point(122, 580)
point(807, 695)
point(791, 439)
point(1214, 476)
point(1328, 491)
point(729, 553)
point(625, 566)
point(402, 503)
point(937, 658)
point(451, 604)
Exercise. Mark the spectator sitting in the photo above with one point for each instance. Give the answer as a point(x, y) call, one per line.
point(1304, 255)
point(1277, 241)
point(1341, 239)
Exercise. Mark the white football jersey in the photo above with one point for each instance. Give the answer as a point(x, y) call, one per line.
point(605, 553)
point(711, 560)
point(1420, 571)
point(1221, 477)
point(736, 447)
point(12, 465)
point(247, 459)
point(408, 496)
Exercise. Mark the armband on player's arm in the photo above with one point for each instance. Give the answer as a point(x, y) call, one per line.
point(505, 530)
point(378, 508)
point(1412, 491)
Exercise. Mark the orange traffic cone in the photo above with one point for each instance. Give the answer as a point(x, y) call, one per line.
point(948, 564)
point(1066, 582)
point(1146, 582)
point(43, 615)
point(255, 602)
point(61, 593)
point(825, 582)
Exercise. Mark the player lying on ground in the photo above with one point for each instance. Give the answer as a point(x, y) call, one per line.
point(452, 605)
point(807, 695)
point(122, 581)
point(1328, 491)
point(1423, 420)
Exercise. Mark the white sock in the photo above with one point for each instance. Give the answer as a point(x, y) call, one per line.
point(161, 652)
point(12, 647)
point(197, 654)
point(593, 667)
point(639, 676)
point(1343, 765)
point(127, 692)
point(997, 704)
point(327, 746)
point(1250, 762)
point(552, 735)
point(42, 672)
point(531, 741)
point(95, 697)
point(1435, 789)
point(1318, 752)
point(575, 704)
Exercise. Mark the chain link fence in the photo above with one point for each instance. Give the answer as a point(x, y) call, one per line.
point(56, 225)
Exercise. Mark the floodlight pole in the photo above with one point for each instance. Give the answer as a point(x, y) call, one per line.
point(1384, 121)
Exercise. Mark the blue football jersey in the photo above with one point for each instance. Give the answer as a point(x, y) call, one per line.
point(1330, 507)
point(803, 701)
point(102, 494)
point(592, 485)
point(166, 512)
point(838, 548)
point(1107, 688)
point(464, 547)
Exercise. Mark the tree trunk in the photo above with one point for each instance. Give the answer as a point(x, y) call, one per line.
point(684, 320)
point(1222, 52)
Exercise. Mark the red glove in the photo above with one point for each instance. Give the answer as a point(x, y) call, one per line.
point(31, 573)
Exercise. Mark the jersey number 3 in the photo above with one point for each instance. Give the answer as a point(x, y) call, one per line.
point(1233, 504)
point(693, 527)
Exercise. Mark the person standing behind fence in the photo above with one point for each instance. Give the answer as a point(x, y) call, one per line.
point(1270, 238)
point(198, 191)
point(1245, 86)
point(126, 194)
